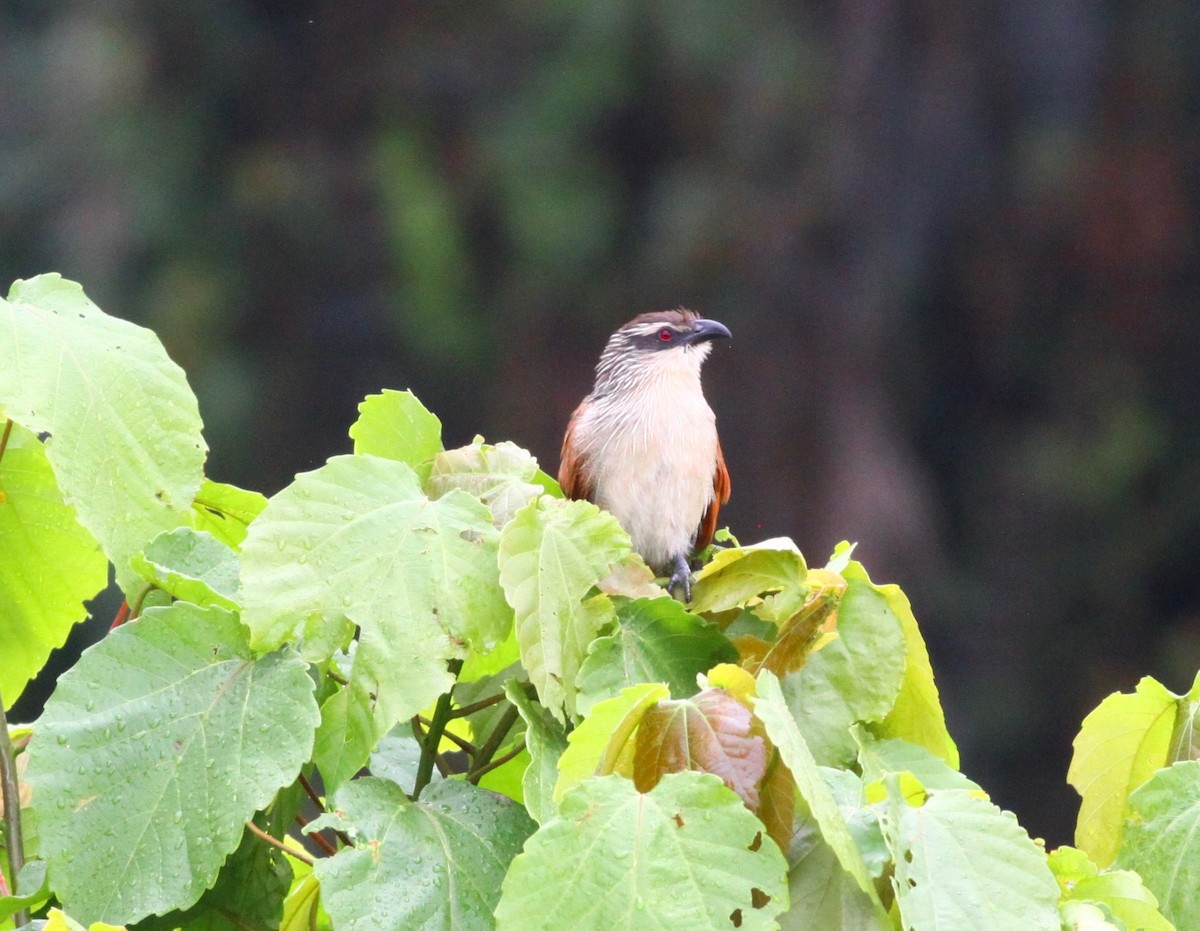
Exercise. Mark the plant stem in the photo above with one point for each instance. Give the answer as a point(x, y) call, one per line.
point(479, 765)
point(477, 706)
point(274, 842)
point(10, 791)
point(464, 745)
point(4, 439)
point(477, 774)
point(433, 737)
point(317, 838)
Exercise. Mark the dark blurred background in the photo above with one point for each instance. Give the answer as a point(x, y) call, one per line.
point(955, 241)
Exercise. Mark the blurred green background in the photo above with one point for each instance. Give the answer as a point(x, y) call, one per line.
point(956, 243)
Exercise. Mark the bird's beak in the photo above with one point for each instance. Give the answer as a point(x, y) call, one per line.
point(703, 330)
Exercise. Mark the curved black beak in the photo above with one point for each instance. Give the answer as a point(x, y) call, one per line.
point(703, 330)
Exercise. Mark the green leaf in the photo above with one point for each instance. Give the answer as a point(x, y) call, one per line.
point(551, 554)
point(657, 641)
point(854, 677)
point(501, 476)
point(1162, 840)
point(734, 576)
point(770, 708)
point(397, 757)
point(1120, 891)
point(596, 745)
point(880, 758)
point(1185, 735)
point(30, 890)
point(822, 894)
point(344, 738)
point(686, 855)
point(192, 566)
point(226, 511)
point(709, 733)
point(357, 540)
point(395, 425)
point(69, 370)
point(58, 920)
point(248, 895)
point(433, 863)
point(1121, 744)
point(1088, 916)
point(49, 564)
point(916, 714)
point(154, 751)
point(961, 862)
point(546, 742)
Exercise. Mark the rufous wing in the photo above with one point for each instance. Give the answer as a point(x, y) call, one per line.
point(721, 490)
point(572, 466)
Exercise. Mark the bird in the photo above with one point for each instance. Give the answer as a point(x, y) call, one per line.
point(643, 444)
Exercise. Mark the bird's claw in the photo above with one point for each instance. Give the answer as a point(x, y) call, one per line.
point(681, 576)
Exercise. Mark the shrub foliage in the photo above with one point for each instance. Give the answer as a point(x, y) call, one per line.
point(418, 688)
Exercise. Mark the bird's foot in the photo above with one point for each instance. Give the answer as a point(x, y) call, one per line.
point(681, 576)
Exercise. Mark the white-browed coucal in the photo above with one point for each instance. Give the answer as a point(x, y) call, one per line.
point(643, 445)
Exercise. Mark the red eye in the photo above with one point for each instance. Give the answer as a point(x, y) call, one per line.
point(666, 334)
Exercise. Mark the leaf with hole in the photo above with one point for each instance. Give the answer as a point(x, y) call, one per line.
point(685, 855)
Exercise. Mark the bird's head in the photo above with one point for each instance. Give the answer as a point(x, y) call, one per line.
point(656, 344)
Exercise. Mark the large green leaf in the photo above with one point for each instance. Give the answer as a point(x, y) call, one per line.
point(961, 862)
point(395, 425)
point(771, 709)
point(436, 863)
point(1162, 840)
point(916, 714)
point(49, 564)
point(657, 641)
point(546, 742)
point(551, 554)
point(501, 476)
point(358, 541)
point(1121, 744)
point(121, 426)
point(192, 566)
point(154, 751)
point(685, 855)
point(854, 677)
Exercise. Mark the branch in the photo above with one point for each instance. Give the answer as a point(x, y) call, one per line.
point(315, 837)
point(10, 791)
point(452, 737)
point(477, 706)
point(4, 439)
point(433, 737)
point(479, 765)
point(478, 774)
point(312, 794)
point(274, 842)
